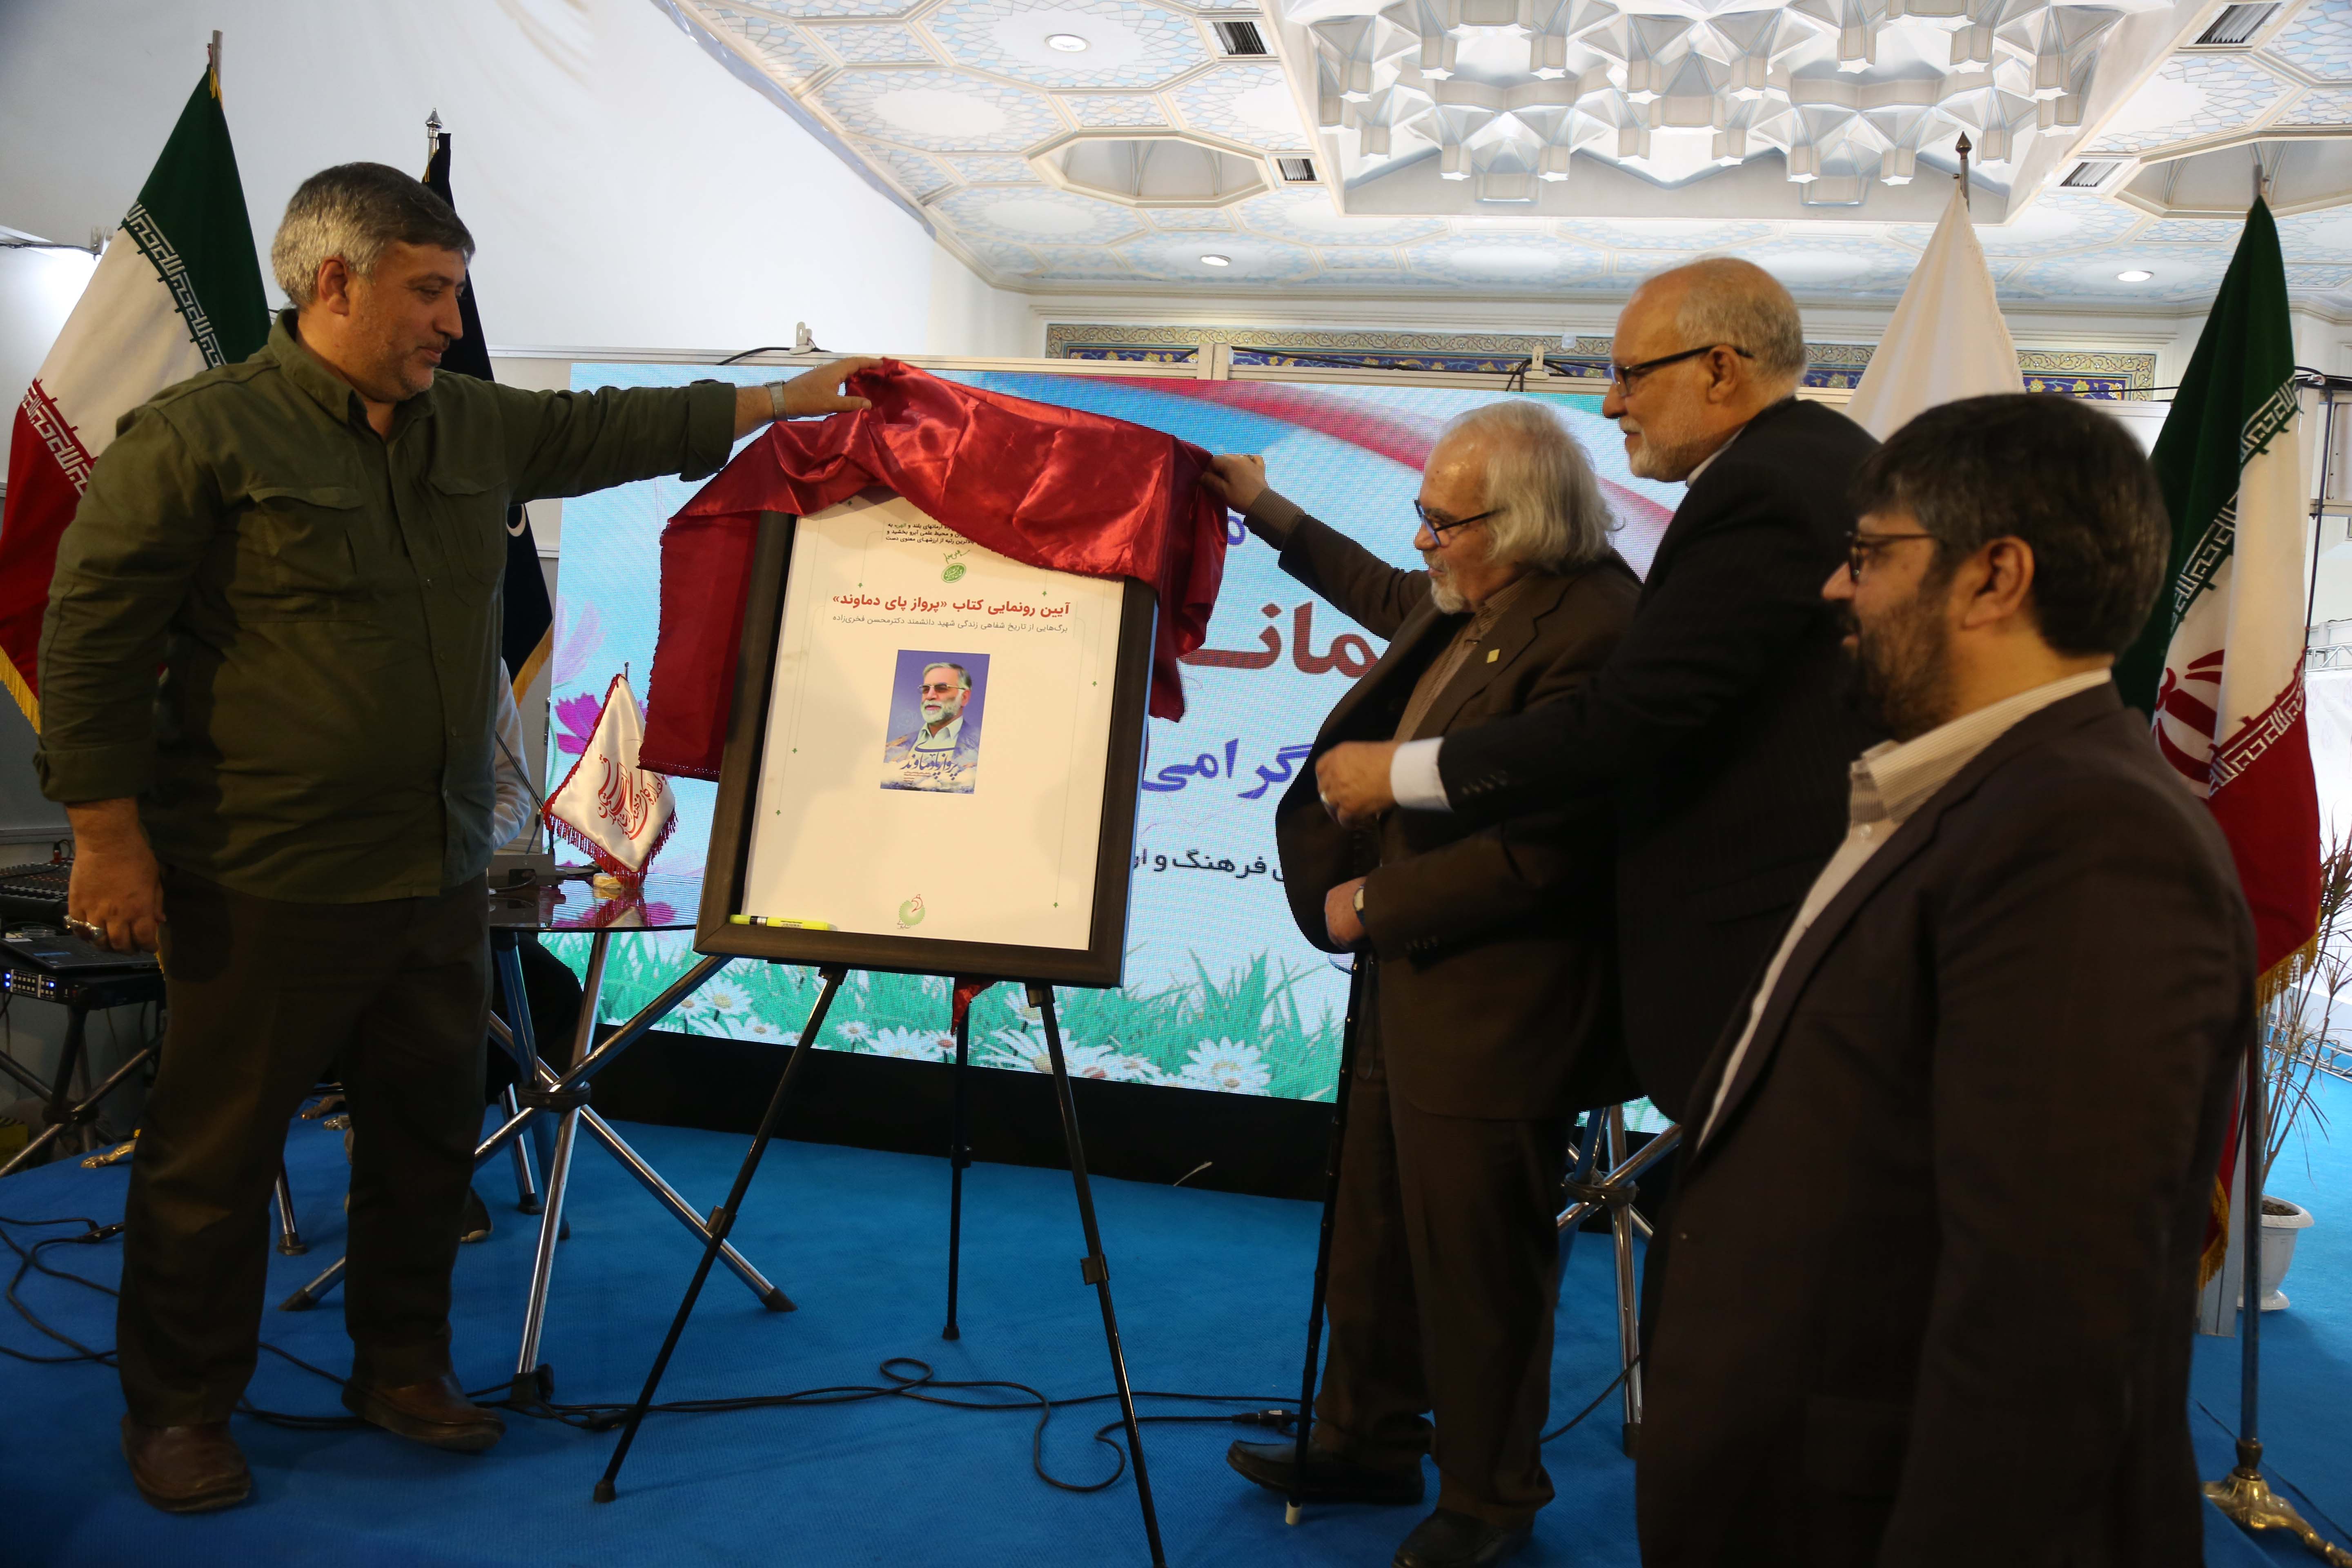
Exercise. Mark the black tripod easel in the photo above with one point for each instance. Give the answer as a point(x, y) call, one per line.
point(1332, 1149)
point(1094, 1268)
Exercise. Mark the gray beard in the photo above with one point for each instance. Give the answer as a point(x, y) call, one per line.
point(1445, 595)
point(1655, 462)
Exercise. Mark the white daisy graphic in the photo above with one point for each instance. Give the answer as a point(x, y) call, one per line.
point(1227, 1065)
point(920, 1045)
point(856, 1032)
point(722, 1000)
point(1016, 1048)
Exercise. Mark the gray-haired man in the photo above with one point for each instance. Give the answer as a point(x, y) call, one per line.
point(1490, 1015)
point(310, 546)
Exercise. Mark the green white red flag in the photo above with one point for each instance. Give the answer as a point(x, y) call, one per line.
point(177, 290)
point(2220, 665)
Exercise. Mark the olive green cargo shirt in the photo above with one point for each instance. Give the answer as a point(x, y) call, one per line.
point(324, 606)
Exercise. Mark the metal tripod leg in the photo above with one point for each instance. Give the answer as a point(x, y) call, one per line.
point(526, 1176)
point(281, 1192)
point(311, 1294)
point(1333, 1149)
point(722, 1220)
point(775, 1300)
point(1616, 1192)
point(530, 1387)
point(523, 1041)
point(1622, 1220)
point(1095, 1269)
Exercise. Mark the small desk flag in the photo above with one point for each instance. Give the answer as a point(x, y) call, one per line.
point(607, 804)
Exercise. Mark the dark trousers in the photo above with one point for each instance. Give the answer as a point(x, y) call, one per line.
point(1443, 1284)
point(263, 995)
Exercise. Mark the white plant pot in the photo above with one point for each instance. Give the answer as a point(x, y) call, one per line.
point(2279, 1234)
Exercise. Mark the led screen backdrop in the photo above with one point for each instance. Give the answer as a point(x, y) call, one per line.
point(1223, 993)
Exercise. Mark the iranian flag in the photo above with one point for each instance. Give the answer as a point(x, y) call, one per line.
point(177, 290)
point(2220, 665)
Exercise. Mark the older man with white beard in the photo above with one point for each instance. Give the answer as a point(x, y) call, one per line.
point(1719, 726)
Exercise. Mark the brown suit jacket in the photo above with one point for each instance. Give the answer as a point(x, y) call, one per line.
point(1496, 987)
point(1930, 1289)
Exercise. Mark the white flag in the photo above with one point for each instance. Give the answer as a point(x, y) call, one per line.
point(1946, 340)
point(609, 807)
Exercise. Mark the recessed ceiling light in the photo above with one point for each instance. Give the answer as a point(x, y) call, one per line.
point(1068, 43)
point(2136, 275)
point(1216, 261)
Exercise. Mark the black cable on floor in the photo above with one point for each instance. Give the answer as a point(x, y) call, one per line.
point(922, 1384)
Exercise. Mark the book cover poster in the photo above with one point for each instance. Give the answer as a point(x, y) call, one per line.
point(938, 734)
point(938, 700)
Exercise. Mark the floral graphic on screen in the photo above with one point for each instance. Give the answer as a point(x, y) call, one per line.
point(936, 698)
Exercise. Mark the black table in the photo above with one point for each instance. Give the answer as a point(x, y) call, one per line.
point(77, 994)
point(661, 902)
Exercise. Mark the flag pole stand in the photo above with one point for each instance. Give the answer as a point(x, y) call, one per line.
point(2245, 1498)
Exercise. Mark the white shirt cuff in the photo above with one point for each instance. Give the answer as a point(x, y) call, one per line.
point(1414, 778)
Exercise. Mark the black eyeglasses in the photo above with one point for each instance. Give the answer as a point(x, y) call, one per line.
point(1624, 376)
point(1859, 547)
point(1440, 530)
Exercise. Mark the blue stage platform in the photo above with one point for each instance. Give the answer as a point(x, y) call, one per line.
point(1212, 1291)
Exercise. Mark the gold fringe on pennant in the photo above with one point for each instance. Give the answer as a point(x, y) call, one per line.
point(22, 691)
point(2285, 973)
point(2216, 1250)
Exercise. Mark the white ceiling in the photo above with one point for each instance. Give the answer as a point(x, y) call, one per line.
point(1567, 147)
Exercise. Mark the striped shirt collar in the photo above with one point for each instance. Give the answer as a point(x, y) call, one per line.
point(1892, 779)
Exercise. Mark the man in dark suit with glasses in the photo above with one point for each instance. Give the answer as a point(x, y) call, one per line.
point(1718, 726)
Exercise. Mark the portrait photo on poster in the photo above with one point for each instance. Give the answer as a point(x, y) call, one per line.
point(938, 700)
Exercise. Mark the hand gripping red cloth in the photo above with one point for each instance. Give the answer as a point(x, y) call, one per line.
point(1049, 487)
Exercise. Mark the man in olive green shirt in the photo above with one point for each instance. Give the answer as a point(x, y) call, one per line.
point(310, 547)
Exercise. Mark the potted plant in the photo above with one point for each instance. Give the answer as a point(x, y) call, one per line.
point(2301, 1041)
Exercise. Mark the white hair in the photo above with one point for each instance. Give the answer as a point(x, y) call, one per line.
point(1548, 513)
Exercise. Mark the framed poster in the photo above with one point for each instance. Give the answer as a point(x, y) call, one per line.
point(932, 759)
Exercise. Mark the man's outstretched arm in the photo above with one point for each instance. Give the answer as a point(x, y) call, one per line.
point(1742, 594)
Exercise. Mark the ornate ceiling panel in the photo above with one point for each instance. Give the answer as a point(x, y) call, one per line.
point(1554, 148)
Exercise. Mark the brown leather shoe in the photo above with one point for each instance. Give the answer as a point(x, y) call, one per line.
point(186, 1469)
point(436, 1412)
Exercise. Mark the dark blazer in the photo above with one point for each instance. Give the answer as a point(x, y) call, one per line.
point(1497, 993)
point(1934, 1273)
point(1720, 727)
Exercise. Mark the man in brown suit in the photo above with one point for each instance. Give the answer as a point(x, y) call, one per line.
point(1490, 1011)
point(1933, 1269)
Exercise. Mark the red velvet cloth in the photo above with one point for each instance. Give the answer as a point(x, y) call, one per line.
point(1051, 486)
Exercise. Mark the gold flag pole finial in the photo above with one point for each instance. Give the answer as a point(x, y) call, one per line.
point(212, 62)
point(1964, 150)
point(432, 137)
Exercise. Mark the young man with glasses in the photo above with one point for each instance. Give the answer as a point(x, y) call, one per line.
point(1952, 1155)
point(1487, 1017)
point(1717, 727)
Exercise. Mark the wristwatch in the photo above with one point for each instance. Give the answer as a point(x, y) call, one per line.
point(775, 400)
point(1359, 899)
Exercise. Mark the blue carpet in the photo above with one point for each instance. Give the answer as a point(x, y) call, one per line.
point(1212, 1293)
